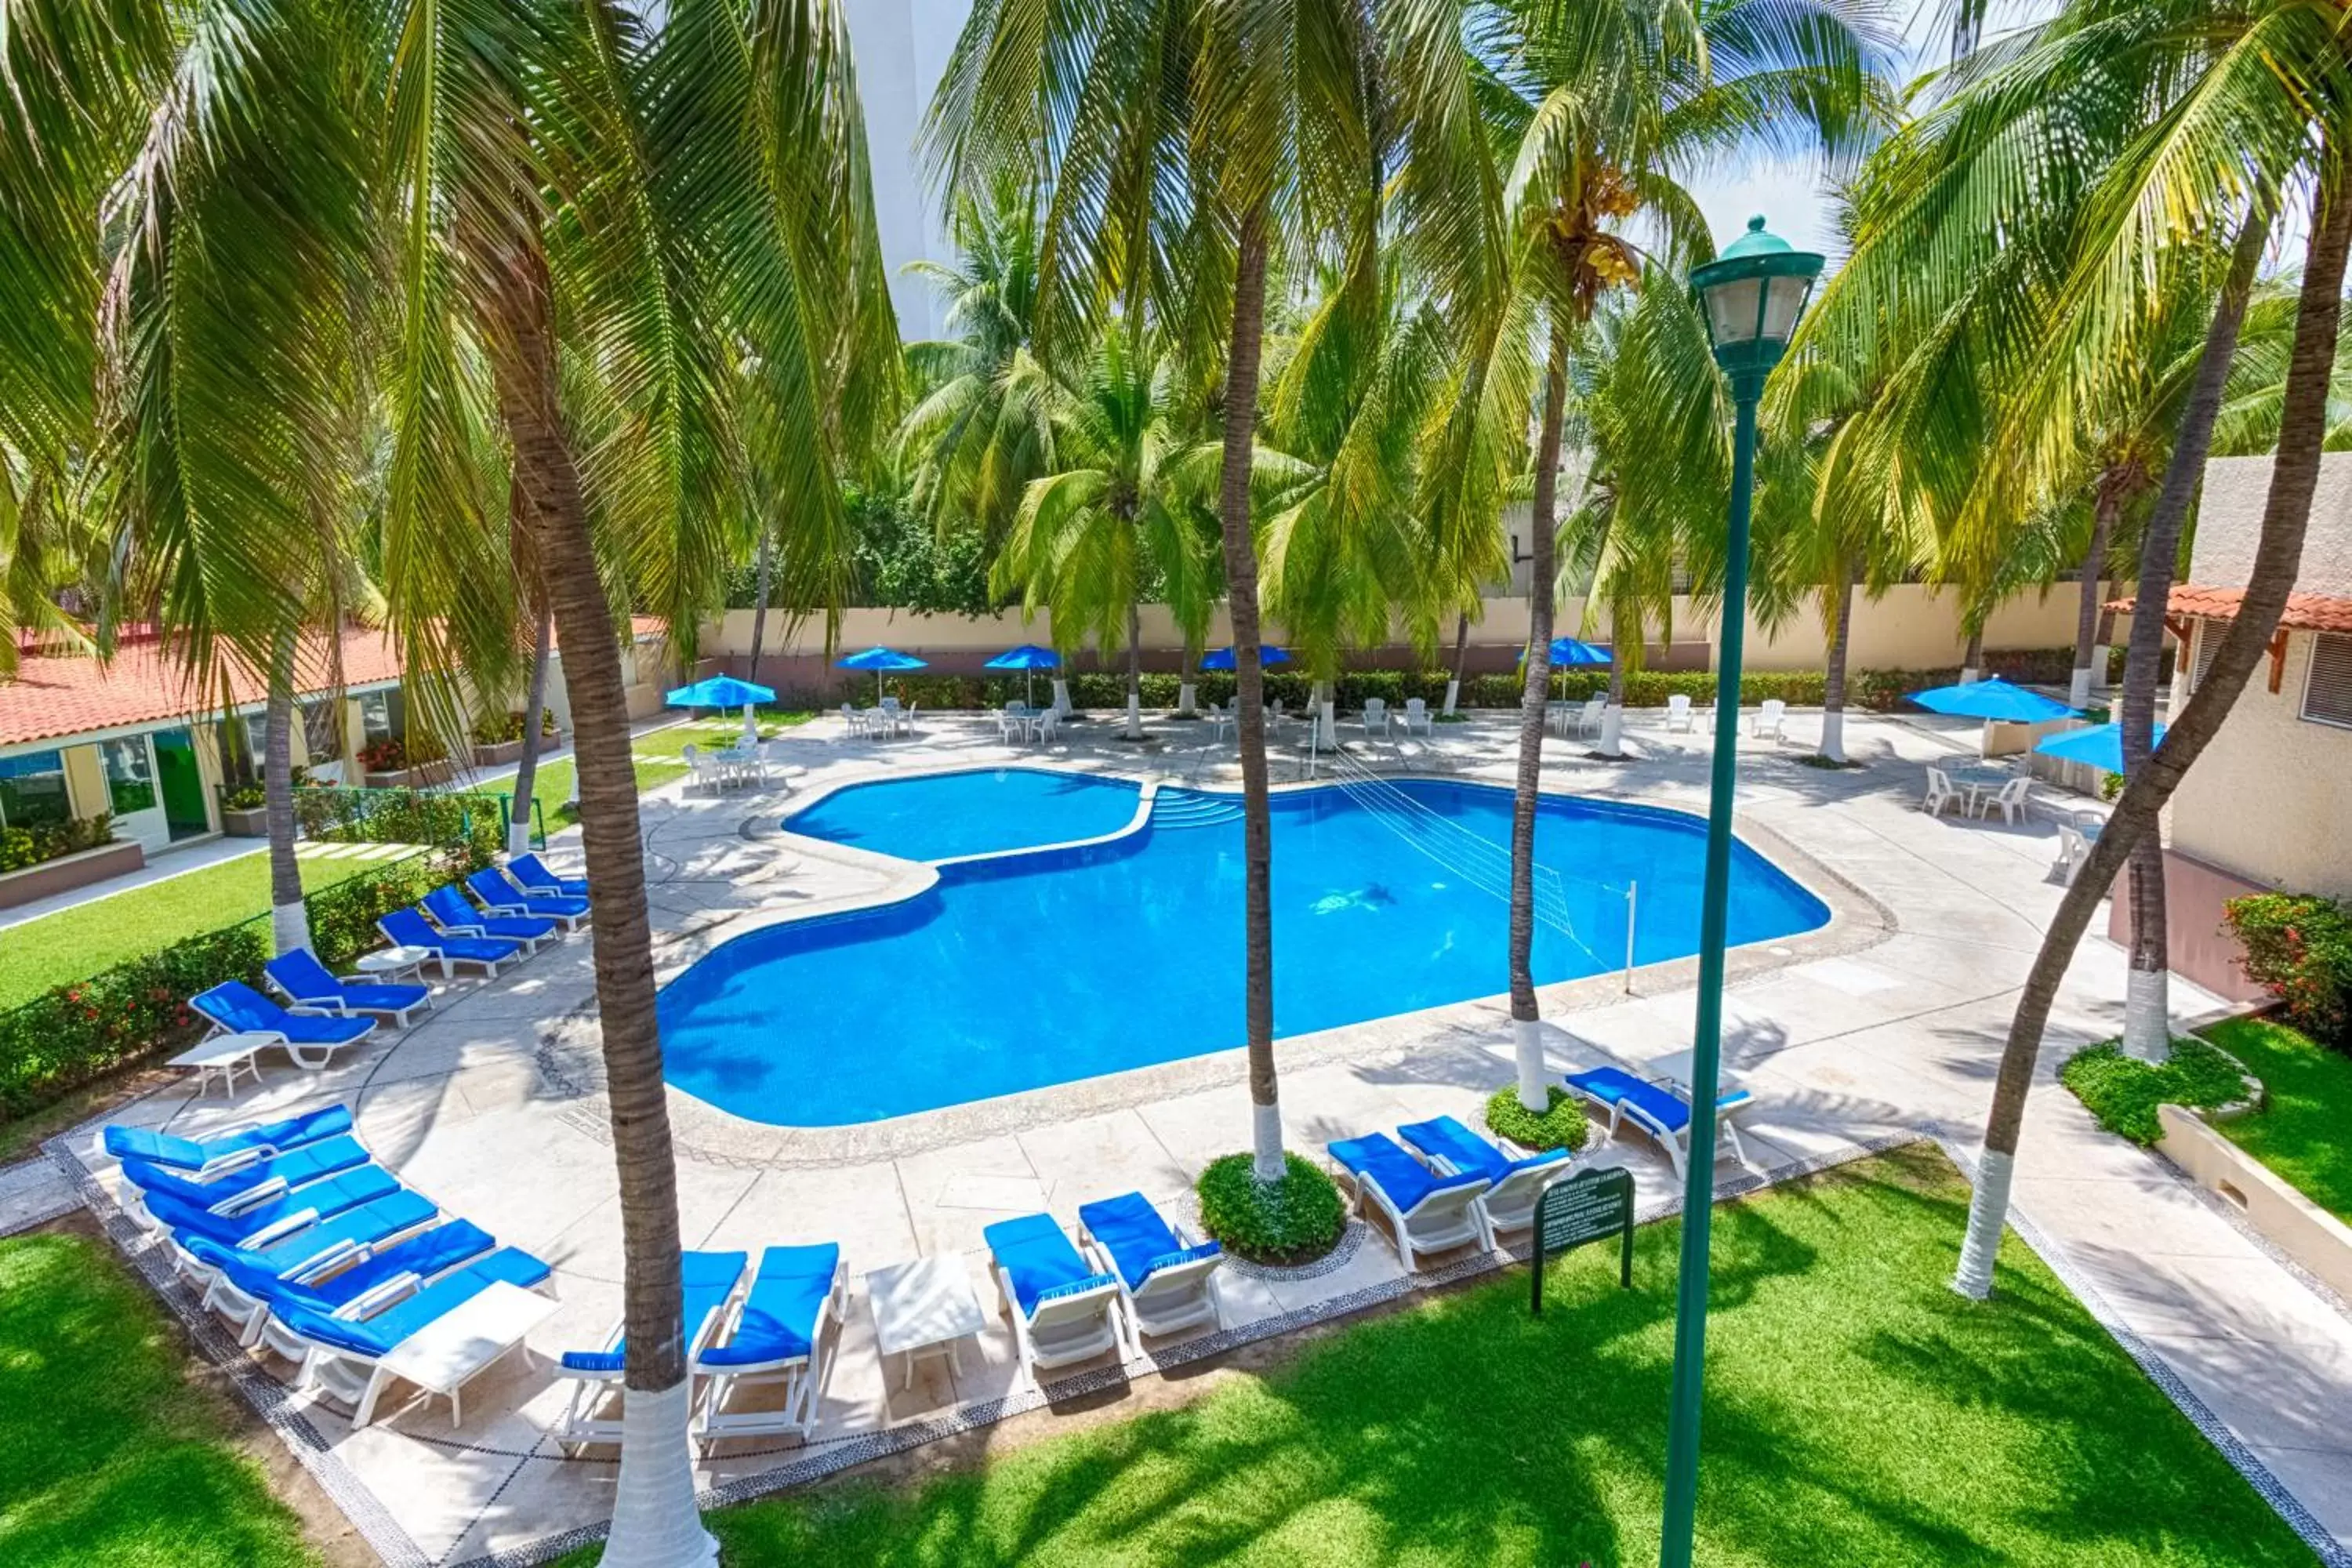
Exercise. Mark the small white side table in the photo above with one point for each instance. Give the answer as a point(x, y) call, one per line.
point(448, 1353)
point(924, 1308)
point(222, 1056)
point(390, 962)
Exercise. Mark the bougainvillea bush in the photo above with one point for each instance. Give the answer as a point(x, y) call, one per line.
point(2299, 949)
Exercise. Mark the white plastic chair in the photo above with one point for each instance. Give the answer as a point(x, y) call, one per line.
point(1376, 715)
point(1588, 718)
point(1047, 725)
point(1220, 720)
point(1012, 721)
point(1770, 717)
point(852, 720)
point(702, 768)
point(1417, 717)
point(1940, 793)
point(1678, 713)
point(2010, 800)
point(2073, 849)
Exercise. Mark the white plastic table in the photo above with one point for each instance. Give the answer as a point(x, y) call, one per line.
point(1977, 778)
point(221, 1056)
point(392, 961)
point(449, 1351)
point(924, 1308)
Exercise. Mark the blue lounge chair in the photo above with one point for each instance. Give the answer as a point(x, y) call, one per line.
point(273, 1219)
point(242, 1186)
point(1426, 1213)
point(234, 1007)
point(343, 1356)
point(501, 897)
point(244, 1288)
point(1512, 1186)
point(709, 1279)
point(330, 1242)
point(777, 1337)
point(448, 907)
point(407, 928)
point(1063, 1310)
point(202, 1157)
point(531, 875)
point(303, 981)
point(1169, 1283)
point(1658, 1109)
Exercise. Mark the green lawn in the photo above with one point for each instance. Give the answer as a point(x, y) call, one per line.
point(1858, 1413)
point(2304, 1130)
point(77, 942)
point(660, 755)
point(107, 1454)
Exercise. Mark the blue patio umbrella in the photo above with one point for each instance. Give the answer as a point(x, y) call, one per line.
point(880, 659)
point(1566, 653)
point(2101, 746)
point(1993, 700)
point(1268, 655)
point(724, 691)
point(1028, 658)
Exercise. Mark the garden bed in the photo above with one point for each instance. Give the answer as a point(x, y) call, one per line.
point(47, 878)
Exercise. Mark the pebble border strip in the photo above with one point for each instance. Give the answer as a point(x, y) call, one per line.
point(271, 1402)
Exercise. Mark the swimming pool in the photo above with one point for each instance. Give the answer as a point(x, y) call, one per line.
point(939, 815)
point(1035, 969)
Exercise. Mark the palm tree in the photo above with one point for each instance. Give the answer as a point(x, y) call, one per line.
point(1119, 516)
point(1602, 113)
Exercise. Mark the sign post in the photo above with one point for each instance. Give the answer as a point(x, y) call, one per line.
point(1585, 1207)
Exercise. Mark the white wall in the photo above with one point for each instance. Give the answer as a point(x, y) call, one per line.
point(899, 48)
point(2270, 798)
point(2229, 521)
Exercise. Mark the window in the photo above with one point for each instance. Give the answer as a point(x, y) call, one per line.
point(2328, 688)
point(129, 775)
point(381, 716)
point(33, 789)
point(2209, 643)
point(320, 728)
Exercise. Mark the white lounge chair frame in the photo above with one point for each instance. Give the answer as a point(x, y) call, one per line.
point(1678, 713)
point(338, 1370)
point(1730, 1102)
point(580, 1426)
point(1770, 718)
point(1447, 1219)
point(1066, 1329)
point(803, 1376)
point(1179, 1296)
point(1509, 1205)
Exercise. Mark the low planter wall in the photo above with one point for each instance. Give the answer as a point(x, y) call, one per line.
point(67, 872)
point(418, 777)
point(2315, 1239)
point(250, 824)
point(497, 756)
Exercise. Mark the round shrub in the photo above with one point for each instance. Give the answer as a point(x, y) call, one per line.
point(1294, 1220)
point(1559, 1125)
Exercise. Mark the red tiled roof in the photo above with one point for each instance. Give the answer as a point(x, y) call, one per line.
point(147, 682)
point(2304, 612)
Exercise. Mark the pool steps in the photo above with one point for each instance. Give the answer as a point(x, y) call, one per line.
point(1177, 809)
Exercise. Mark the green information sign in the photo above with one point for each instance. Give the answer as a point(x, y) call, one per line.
point(1587, 1206)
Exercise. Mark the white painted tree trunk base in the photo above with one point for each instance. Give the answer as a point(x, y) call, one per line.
point(1061, 697)
point(1527, 1054)
point(1971, 675)
point(1266, 1162)
point(290, 927)
point(1833, 734)
point(1988, 1214)
point(654, 1521)
point(1187, 698)
point(2147, 1014)
point(2078, 688)
point(1613, 731)
point(1453, 693)
point(1329, 720)
point(1134, 717)
point(750, 726)
point(518, 830)
point(2101, 656)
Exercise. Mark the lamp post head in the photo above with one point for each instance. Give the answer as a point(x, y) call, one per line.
point(1753, 295)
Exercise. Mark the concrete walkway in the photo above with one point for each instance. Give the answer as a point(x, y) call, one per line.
point(1889, 1024)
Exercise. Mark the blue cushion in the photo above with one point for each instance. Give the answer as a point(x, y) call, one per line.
point(306, 1162)
point(709, 1279)
point(193, 1155)
point(1170, 1259)
point(234, 1004)
point(1131, 1230)
point(531, 872)
point(343, 1190)
point(362, 1225)
point(1038, 1257)
point(496, 891)
point(779, 1315)
point(303, 977)
point(1447, 1139)
point(410, 928)
point(373, 1336)
point(1074, 1288)
point(1611, 1084)
point(1375, 1157)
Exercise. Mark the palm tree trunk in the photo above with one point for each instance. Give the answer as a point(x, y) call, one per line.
point(1249, 692)
point(1135, 669)
point(759, 594)
point(1526, 1033)
point(1187, 690)
point(2286, 514)
point(1612, 702)
point(289, 922)
point(1461, 654)
point(535, 704)
point(1972, 661)
point(1833, 680)
point(654, 1521)
point(2093, 574)
point(2147, 1006)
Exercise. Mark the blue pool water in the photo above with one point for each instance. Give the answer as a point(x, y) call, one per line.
point(946, 814)
point(1037, 969)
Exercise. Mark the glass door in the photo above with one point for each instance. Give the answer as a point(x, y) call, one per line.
point(181, 783)
point(131, 792)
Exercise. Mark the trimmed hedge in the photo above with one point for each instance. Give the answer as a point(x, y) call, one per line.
point(2122, 1092)
point(1880, 690)
point(1294, 1220)
point(2299, 949)
point(78, 1033)
point(1560, 1125)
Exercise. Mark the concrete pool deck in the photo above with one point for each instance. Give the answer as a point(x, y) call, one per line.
point(1890, 1027)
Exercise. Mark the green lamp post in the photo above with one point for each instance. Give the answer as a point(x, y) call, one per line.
point(1753, 295)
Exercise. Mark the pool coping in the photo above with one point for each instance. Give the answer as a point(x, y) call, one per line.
point(569, 1059)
